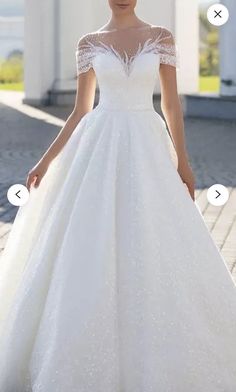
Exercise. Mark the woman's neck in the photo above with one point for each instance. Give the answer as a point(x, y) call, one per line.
point(124, 21)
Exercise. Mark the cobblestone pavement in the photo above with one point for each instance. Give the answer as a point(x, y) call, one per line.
point(26, 132)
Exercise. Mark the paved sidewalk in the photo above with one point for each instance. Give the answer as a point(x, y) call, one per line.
point(26, 133)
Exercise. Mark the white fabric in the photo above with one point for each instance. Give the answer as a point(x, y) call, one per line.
point(127, 47)
point(110, 280)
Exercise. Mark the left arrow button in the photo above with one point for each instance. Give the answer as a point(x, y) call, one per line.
point(18, 195)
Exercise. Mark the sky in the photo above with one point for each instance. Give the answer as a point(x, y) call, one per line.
point(11, 7)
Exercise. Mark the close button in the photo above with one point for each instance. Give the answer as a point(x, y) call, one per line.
point(217, 14)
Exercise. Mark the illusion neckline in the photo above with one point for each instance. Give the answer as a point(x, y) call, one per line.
point(127, 28)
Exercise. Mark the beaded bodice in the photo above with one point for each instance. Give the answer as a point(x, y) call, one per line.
point(126, 63)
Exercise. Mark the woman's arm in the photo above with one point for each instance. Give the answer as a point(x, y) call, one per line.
point(86, 85)
point(171, 108)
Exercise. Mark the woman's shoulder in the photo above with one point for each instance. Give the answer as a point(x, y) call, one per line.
point(161, 31)
point(88, 38)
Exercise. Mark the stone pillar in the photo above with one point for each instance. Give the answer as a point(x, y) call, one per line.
point(228, 51)
point(81, 18)
point(72, 19)
point(39, 64)
point(182, 18)
point(187, 37)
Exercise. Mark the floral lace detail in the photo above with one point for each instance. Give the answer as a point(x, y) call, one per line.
point(84, 59)
point(90, 46)
point(168, 54)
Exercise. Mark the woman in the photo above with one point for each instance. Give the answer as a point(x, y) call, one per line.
point(110, 281)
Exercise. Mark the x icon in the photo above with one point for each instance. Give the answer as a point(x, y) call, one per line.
point(217, 13)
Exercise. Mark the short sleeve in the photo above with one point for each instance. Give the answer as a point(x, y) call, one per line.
point(84, 55)
point(167, 48)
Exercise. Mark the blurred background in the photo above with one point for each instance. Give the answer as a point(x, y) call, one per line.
point(11, 44)
point(38, 80)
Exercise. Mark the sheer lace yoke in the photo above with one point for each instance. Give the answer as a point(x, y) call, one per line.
point(126, 44)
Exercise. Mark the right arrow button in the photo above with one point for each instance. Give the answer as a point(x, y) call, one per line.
point(217, 195)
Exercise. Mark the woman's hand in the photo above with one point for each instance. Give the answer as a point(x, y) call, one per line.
point(36, 174)
point(186, 174)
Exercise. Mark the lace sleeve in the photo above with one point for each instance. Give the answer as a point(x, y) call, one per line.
point(167, 48)
point(84, 55)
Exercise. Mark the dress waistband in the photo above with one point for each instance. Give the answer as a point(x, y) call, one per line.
point(132, 108)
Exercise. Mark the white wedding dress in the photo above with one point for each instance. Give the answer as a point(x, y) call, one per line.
point(110, 280)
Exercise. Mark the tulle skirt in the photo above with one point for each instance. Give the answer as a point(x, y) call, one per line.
point(110, 280)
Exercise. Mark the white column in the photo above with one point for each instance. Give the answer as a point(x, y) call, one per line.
point(157, 12)
point(187, 38)
point(181, 17)
point(72, 18)
point(228, 51)
point(39, 49)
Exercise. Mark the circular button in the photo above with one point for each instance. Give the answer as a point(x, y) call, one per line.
point(217, 195)
point(217, 14)
point(18, 195)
